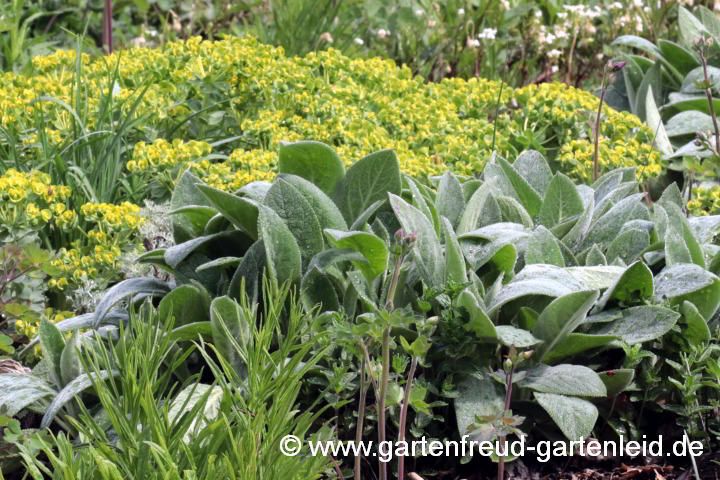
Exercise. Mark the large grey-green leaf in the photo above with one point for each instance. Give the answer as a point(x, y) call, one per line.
point(450, 200)
point(324, 208)
point(528, 197)
point(298, 215)
point(372, 248)
point(232, 332)
point(240, 211)
point(652, 81)
point(561, 202)
point(562, 317)
point(687, 281)
point(616, 381)
point(635, 283)
point(564, 379)
point(574, 416)
point(544, 248)
point(282, 253)
point(511, 336)
point(654, 121)
point(126, 289)
point(689, 122)
point(18, 391)
point(477, 397)
point(70, 365)
point(533, 167)
point(427, 252)
point(478, 210)
point(368, 180)
point(313, 161)
point(628, 245)
point(455, 269)
point(176, 254)
point(512, 211)
point(639, 43)
point(72, 389)
point(608, 226)
point(53, 345)
point(208, 396)
point(706, 228)
point(690, 28)
point(681, 246)
point(640, 324)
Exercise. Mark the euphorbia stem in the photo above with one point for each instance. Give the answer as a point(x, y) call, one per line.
point(596, 166)
point(383, 393)
point(403, 416)
point(508, 395)
point(361, 417)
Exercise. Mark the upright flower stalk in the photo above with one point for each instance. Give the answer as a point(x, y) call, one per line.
point(610, 68)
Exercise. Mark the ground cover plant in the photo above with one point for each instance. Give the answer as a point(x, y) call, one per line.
point(520, 302)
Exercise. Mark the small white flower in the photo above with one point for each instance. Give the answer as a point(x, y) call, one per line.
point(473, 43)
point(555, 69)
point(562, 15)
point(382, 33)
point(550, 38)
point(616, 6)
point(419, 12)
point(488, 33)
point(638, 3)
point(554, 53)
point(461, 12)
point(505, 4)
point(327, 37)
point(359, 41)
point(538, 14)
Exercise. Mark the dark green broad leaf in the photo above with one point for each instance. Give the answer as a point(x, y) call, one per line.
point(53, 345)
point(241, 212)
point(689, 282)
point(324, 208)
point(250, 271)
point(455, 269)
point(192, 332)
point(562, 317)
point(680, 57)
point(562, 201)
point(298, 215)
point(197, 216)
point(450, 201)
point(427, 252)
point(639, 43)
point(70, 364)
point(635, 284)
point(576, 343)
point(126, 289)
point(282, 253)
point(517, 337)
point(479, 323)
point(478, 395)
point(543, 247)
point(186, 193)
point(187, 303)
point(697, 331)
point(228, 241)
point(368, 180)
point(532, 166)
point(313, 161)
point(528, 197)
point(564, 379)
point(574, 417)
point(616, 381)
point(220, 263)
point(371, 247)
point(640, 324)
point(316, 289)
point(232, 332)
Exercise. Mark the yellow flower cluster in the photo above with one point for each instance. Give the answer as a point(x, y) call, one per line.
point(358, 106)
point(29, 328)
point(29, 201)
point(706, 201)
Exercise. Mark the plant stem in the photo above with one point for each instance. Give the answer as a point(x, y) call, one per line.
point(708, 93)
point(570, 57)
point(596, 167)
point(361, 417)
point(394, 282)
point(508, 395)
point(403, 416)
point(383, 393)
